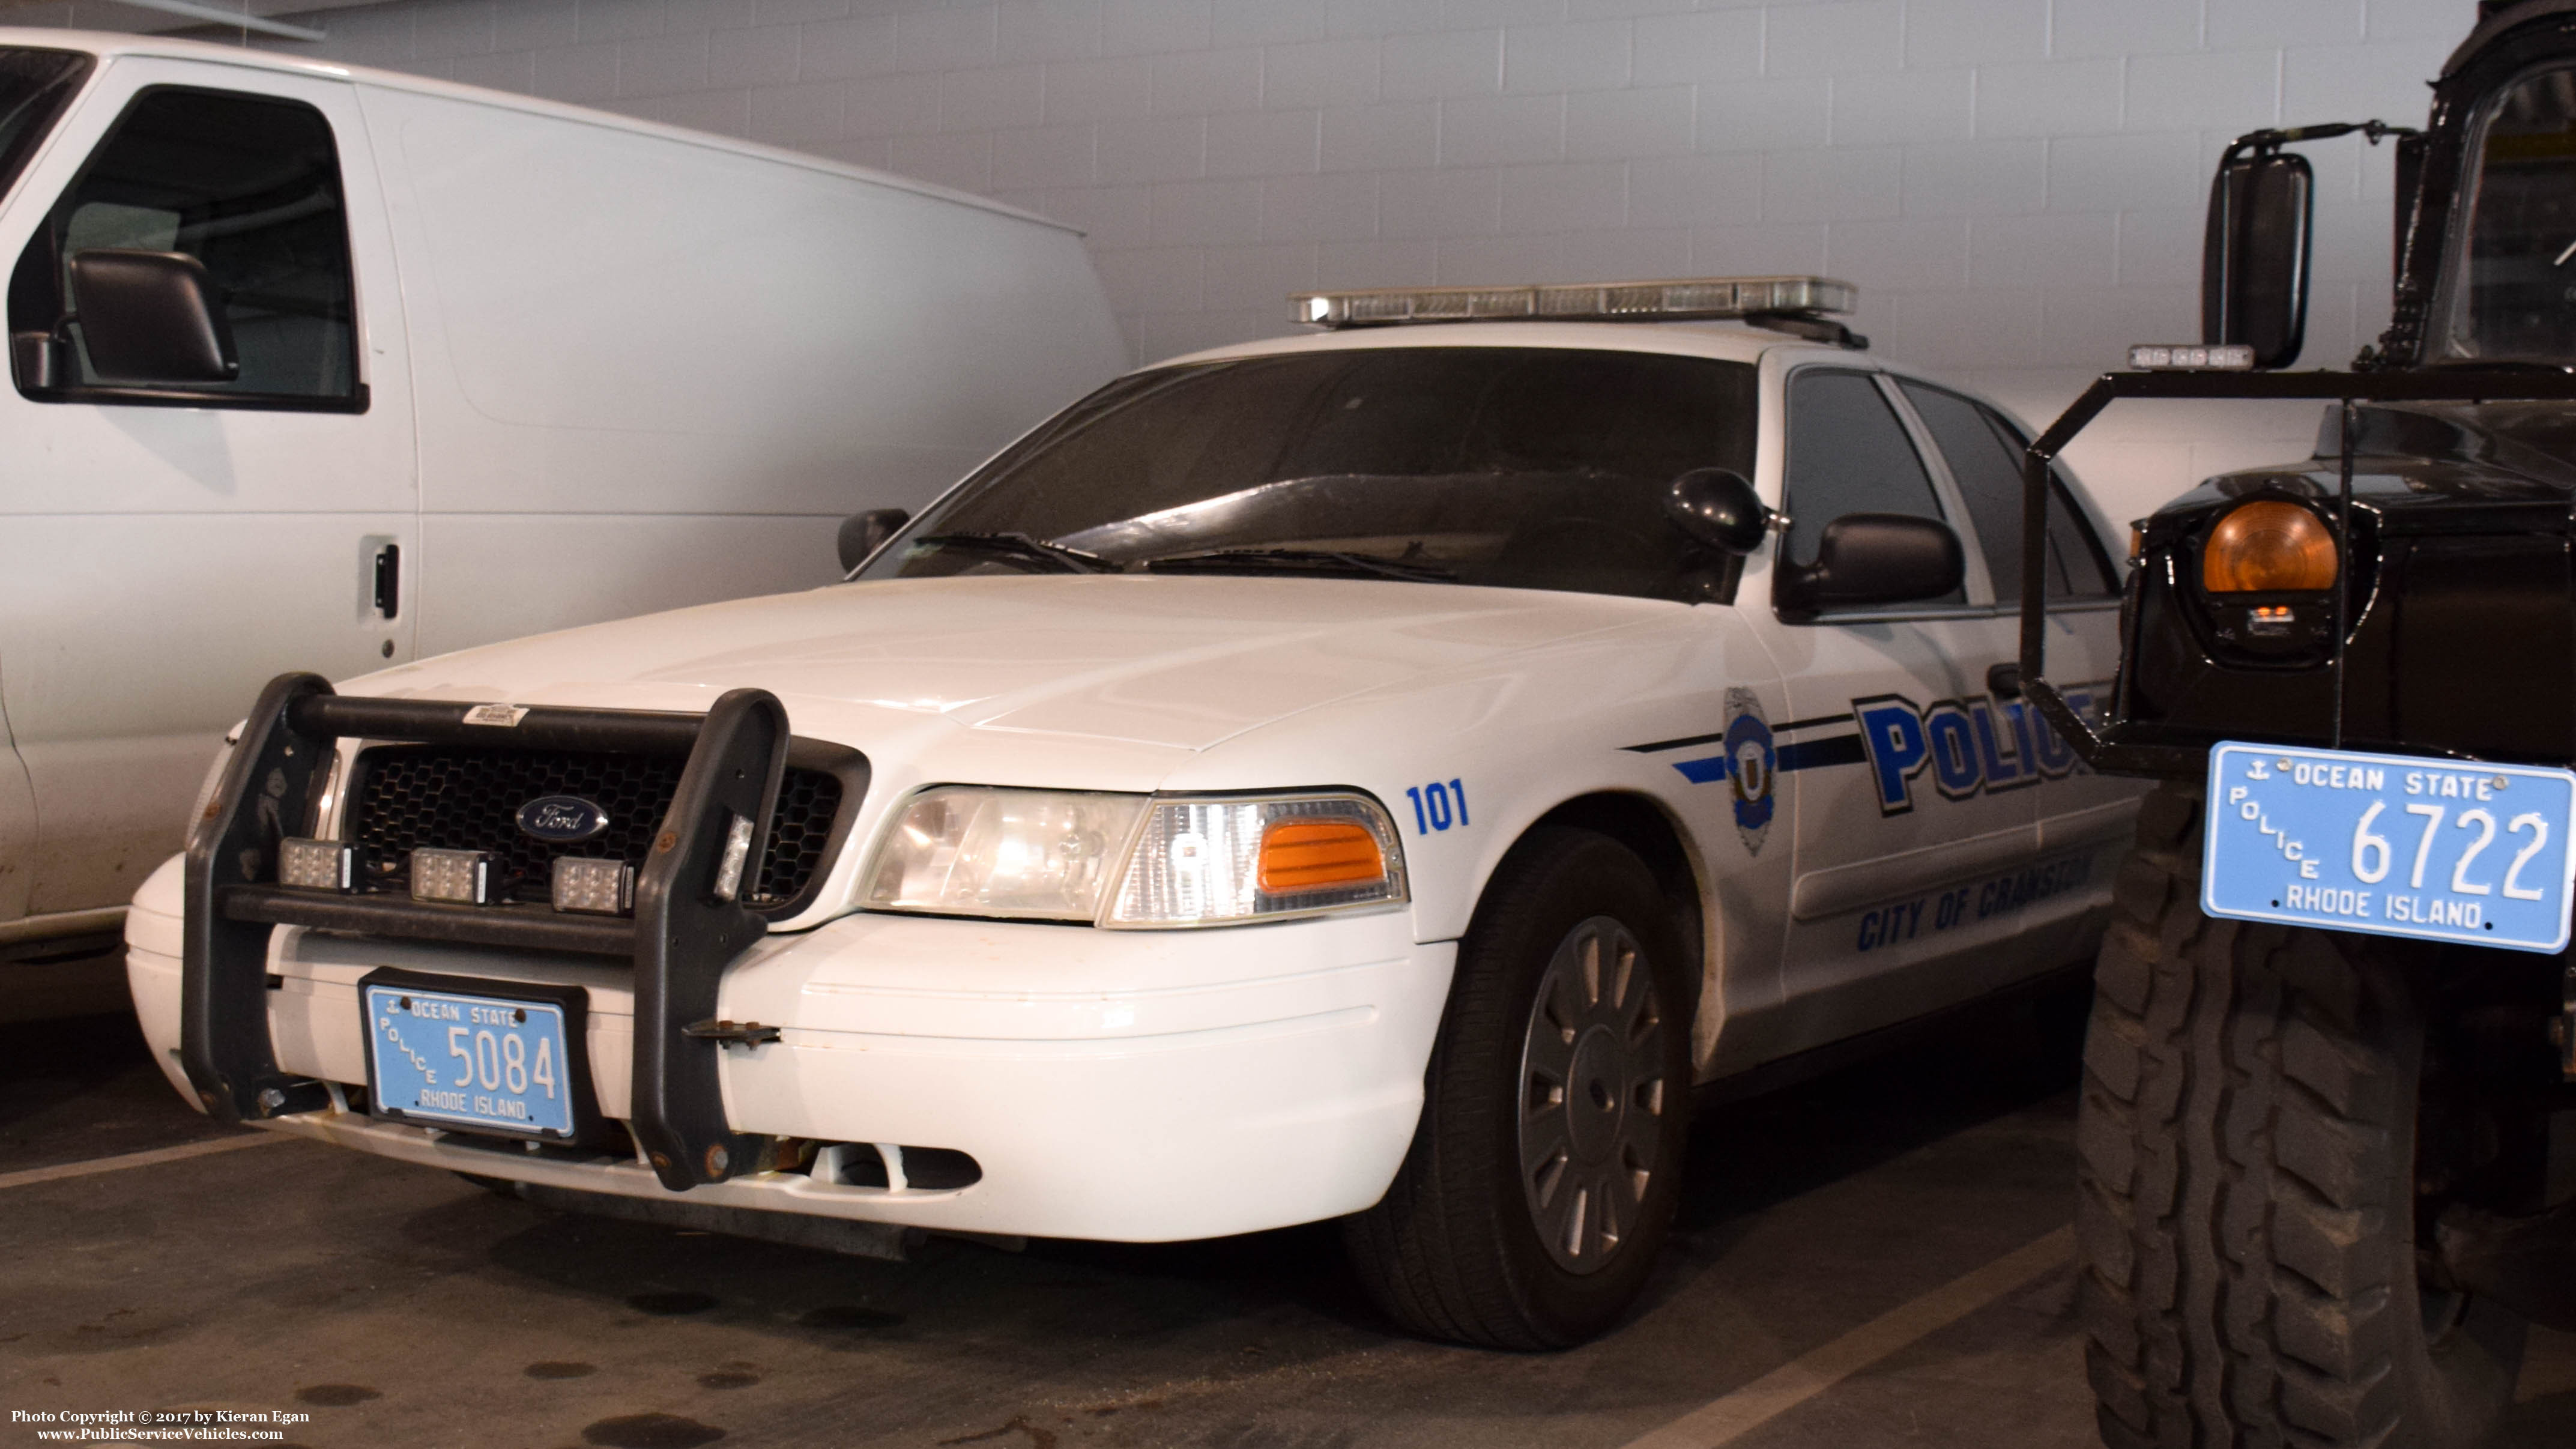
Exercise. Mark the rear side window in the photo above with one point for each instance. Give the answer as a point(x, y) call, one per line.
point(1984, 452)
point(248, 185)
point(1848, 453)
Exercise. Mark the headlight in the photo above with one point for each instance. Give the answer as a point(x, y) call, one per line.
point(971, 851)
point(1218, 862)
point(1065, 856)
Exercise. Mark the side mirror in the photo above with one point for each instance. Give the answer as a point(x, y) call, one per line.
point(863, 534)
point(1868, 559)
point(2254, 255)
point(150, 317)
point(1718, 509)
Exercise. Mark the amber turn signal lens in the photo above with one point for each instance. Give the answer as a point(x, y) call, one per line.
point(1307, 855)
point(2268, 546)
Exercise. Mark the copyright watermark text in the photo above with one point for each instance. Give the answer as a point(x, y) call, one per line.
point(155, 1425)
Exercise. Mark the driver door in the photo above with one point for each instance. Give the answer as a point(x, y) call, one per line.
point(1910, 783)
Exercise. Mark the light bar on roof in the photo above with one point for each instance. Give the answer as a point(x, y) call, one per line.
point(1683, 299)
point(2202, 357)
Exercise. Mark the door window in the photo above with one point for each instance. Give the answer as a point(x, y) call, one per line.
point(250, 186)
point(1848, 453)
point(1984, 452)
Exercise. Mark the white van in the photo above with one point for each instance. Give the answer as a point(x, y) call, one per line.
point(322, 368)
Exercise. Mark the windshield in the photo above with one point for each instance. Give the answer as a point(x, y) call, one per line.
point(1532, 468)
point(34, 85)
point(2517, 298)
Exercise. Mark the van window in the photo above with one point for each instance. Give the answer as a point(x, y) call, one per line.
point(35, 85)
point(248, 185)
point(1848, 453)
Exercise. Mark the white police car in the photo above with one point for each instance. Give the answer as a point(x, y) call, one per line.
point(1372, 775)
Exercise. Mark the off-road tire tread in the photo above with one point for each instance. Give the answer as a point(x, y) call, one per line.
point(2244, 1086)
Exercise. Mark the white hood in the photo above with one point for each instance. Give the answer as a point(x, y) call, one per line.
point(1172, 664)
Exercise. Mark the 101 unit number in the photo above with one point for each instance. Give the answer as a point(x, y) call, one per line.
point(1435, 803)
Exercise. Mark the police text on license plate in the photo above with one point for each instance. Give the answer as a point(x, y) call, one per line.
point(482, 1062)
point(2393, 845)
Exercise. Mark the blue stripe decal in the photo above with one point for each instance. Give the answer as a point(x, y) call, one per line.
point(1810, 754)
point(1805, 755)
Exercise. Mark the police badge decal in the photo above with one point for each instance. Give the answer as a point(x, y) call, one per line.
point(1749, 766)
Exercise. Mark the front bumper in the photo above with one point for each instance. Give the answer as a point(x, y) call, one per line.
point(1124, 1085)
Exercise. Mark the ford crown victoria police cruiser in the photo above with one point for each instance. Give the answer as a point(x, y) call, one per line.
point(1372, 775)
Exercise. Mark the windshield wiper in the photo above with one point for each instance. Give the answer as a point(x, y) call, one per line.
point(1300, 561)
point(1026, 549)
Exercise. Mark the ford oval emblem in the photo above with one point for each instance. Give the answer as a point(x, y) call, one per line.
point(562, 819)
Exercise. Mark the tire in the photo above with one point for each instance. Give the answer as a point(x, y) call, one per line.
point(2248, 1215)
point(1466, 1245)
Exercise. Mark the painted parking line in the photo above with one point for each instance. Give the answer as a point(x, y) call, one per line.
point(1724, 1420)
point(157, 1155)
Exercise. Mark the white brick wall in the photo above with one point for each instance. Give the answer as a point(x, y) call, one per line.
point(2014, 184)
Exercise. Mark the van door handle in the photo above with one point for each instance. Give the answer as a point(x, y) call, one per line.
point(389, 579)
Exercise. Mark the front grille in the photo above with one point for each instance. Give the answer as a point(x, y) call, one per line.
point(409, 796)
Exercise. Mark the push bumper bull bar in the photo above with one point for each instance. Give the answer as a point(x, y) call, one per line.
point(680, 938)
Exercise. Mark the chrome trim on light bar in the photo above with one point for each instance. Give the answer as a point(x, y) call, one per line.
point(1683, 299)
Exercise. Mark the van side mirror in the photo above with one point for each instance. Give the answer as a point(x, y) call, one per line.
point(863, 534)
point(2254, 254)
point(1868, 559)
point(150, 317)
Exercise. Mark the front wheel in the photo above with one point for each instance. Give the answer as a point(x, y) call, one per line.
point(2266, 1132)
point(1544, 1172)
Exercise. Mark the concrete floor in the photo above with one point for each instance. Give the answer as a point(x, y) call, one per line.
point(401, 1306)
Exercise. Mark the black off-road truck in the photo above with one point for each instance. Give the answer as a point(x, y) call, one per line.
point(2315, 1204)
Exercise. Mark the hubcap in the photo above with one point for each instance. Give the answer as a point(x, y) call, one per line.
point(1591, 1094)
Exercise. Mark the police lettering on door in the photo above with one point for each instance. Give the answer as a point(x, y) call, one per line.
point(1966, 746)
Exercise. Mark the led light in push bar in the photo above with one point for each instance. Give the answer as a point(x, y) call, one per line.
point(737, 854)
point(594, 887)
point(463, 877)
point(316, 865)
point(2227, 357)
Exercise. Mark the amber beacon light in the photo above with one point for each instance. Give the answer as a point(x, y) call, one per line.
point(2268, 546)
